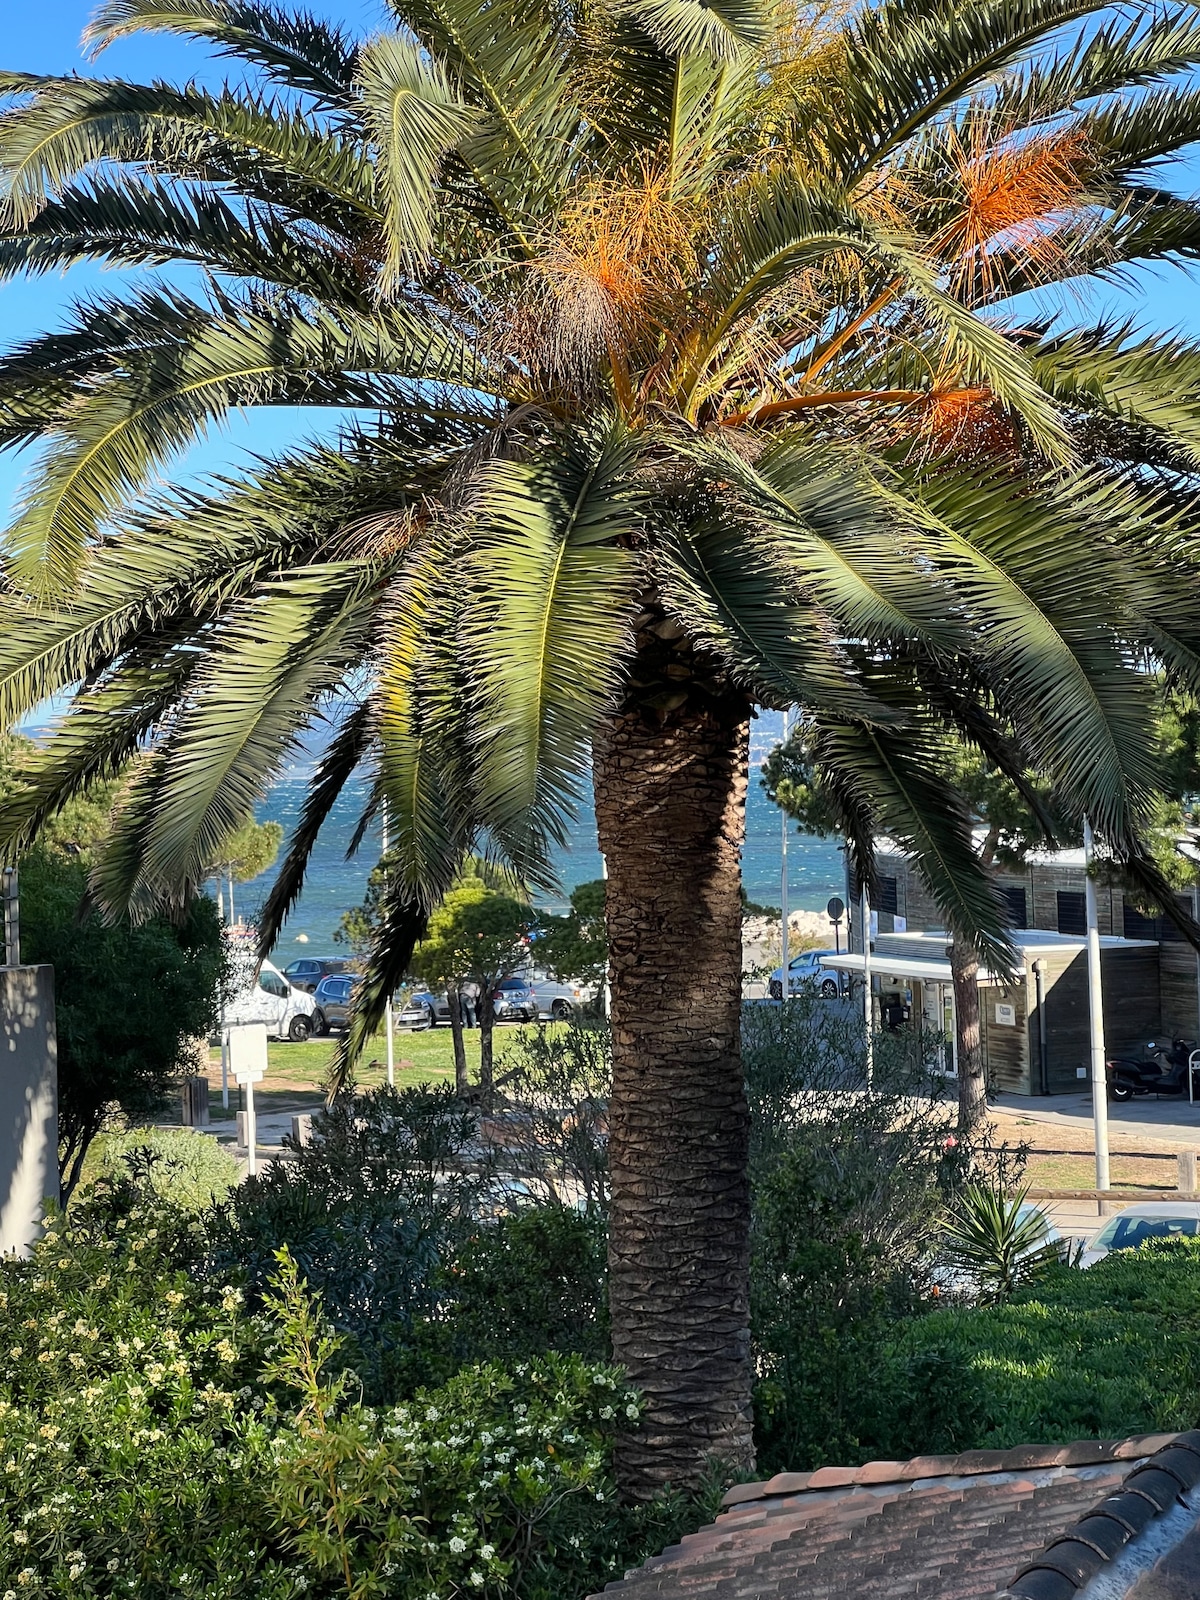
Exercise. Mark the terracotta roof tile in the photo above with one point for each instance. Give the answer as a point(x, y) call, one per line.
point(1043, 1518)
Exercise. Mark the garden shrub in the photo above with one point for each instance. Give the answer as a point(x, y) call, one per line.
point(451, 1493)
point(129, 1425)
point(847, 1191)
point(391, 1216)
point(529, 1282)
point(556, 1083)
point(185, 1167)
point(1104, 1353)
point(371, 1211)
point(158, 1438)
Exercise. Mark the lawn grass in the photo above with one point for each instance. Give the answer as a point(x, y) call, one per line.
point(297, 1073)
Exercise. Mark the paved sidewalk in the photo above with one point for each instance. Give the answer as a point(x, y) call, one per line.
point(1172, 1120)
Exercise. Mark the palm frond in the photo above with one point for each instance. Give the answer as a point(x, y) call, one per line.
point(547, 637)
point(73, 123)
point(271, 664)
point(898, 780)
point(414, 117)
point(134, 220)
point(294, 47)
point(719, 28)
point(345, 752)
point(904, 64)
point(402, 924)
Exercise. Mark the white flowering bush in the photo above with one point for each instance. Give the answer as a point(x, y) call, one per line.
point(453, 1493)
point(158, 1439)
point(129, 1418)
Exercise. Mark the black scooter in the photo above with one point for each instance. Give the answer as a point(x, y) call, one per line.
point(1164, 1070)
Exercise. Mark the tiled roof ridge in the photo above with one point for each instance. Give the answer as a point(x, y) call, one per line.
point(967, 1464)
point(1072, 1559)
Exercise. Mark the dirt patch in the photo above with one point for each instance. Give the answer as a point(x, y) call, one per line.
point(1063, 1158)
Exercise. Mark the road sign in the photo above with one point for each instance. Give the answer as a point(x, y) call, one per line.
point(248, 1052)
point(836, 909)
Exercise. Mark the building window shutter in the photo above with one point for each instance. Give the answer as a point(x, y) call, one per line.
point(889, 900)
point(1072, 911)
point(1137, 925)
point(1018, 912)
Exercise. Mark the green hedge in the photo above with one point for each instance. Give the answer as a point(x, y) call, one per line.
point(1104, 1353)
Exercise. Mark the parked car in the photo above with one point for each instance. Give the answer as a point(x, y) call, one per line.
point(1147, 1219)
point(434, 1008)
point(289, 1012)
point(802, 969)
point(307, 973)
point(333, 998)
point(557, 1001)
point(514, 1000)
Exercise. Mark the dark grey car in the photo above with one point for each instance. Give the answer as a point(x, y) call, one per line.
point(307, 972)
point(333, 997)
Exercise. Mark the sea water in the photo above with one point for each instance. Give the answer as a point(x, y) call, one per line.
point(333, 884)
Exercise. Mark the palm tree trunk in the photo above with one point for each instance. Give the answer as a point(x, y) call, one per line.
point(670, 806)
point(972, 1079)
point(462, 1086)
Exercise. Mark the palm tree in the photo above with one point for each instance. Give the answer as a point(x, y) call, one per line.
point(682, 377)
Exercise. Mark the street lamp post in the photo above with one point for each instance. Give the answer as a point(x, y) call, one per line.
point(387, 1009)
point(868, 1008)
point(1096, 1015)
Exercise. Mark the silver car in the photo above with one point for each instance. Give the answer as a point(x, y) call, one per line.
point(535, 996)
point(1149, 1219)
point(802, 969)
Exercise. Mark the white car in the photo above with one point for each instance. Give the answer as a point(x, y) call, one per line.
point(802, 969)
point(1149, 1219)
point(288, 1012)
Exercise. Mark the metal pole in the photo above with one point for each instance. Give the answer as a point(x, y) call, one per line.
point(868, 1008)
point(251, 1130)
point(387, 1010)
point(231, 917)
point(12, 918)
point(1096, 1016)
point(785, 990)
point(224, 1062)
point(1039, 978)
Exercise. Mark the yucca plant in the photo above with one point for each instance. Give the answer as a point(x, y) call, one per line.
point(684, 375)
point(993, 1245)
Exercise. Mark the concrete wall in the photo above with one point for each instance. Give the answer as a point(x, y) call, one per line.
point(28, 1103)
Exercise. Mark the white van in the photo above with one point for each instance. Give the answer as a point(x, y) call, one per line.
point(288, 1012)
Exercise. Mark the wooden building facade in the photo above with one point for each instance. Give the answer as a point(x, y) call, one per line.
point(1035, 1031)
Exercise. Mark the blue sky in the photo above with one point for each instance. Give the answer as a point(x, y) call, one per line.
point(43, 36)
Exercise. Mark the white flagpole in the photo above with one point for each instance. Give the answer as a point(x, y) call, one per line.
point(785, 990)
point(387, 1010)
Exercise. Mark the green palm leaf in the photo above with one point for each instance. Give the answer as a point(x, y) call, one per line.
point(414, 118)
point(306, 54)
point(544, 640)
point(720, 28)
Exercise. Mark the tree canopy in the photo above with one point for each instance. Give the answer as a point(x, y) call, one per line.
point(128, 997)
point(708, 305)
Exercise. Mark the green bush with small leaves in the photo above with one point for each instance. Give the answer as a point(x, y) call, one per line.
point(1105, 1353)
point(182, 1165)
point(160, 1437)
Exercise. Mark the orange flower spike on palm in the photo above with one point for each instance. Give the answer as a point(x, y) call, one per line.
point(614, 276)
point(1015, 197)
